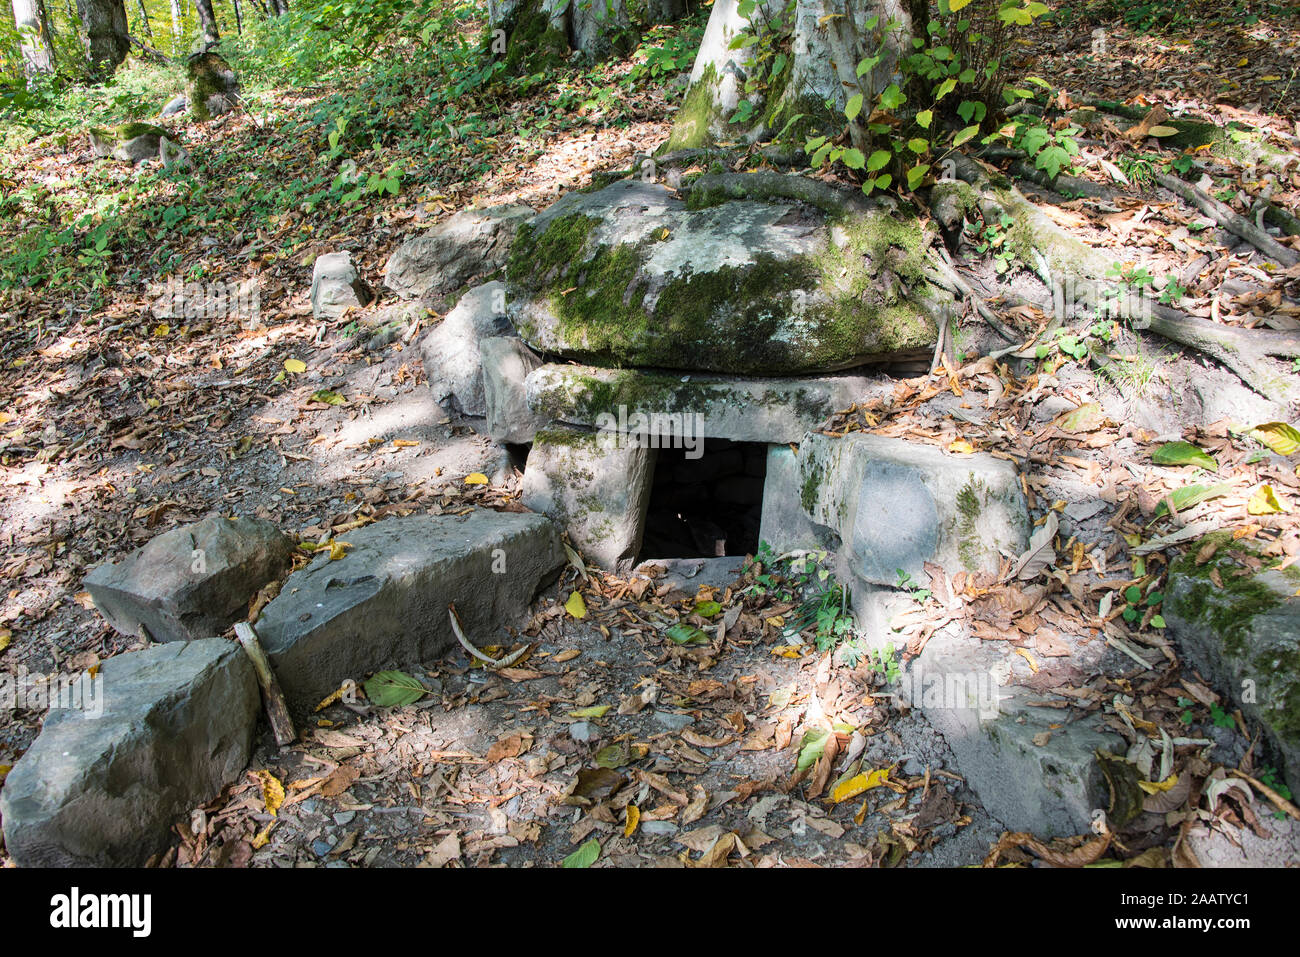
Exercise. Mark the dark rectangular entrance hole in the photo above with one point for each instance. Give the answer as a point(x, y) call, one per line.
point(706, 506)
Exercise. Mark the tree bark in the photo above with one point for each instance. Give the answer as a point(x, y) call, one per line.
point(595, 28)
point(239, 17)
point(207, 22)
point(35, 37)
point(104, 29)
point(823, 44)
point(176, 26)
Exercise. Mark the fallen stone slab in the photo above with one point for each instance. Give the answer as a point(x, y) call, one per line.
point(103, 790)
point(191, 582)
point(629, 276)
point(384, 604)
point(1244, 636)
point(336, 285)
point(898, 504)
point(506, 365)
point(1032, 771)
point(718, 407)
point(474, 242)
point(596, 487)
point(451, 350)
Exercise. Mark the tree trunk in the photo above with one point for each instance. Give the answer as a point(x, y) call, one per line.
point(595, 28)
point(144, 20)
point(103, 25)
point(176, 26)
point(35, 38)
point(207, 22)
point(279, 7)
point(239, 17)
point(820, 47)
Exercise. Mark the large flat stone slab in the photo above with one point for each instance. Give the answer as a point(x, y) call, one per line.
point(176, 726)
point(785, 525)
point(898, 504)
point(384, 604)
point(629, 276)
point(1245, 638)
point(719, 407)
point(191, 582)
point(596, 487)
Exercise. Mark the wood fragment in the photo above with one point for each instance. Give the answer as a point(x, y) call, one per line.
point(277, 712)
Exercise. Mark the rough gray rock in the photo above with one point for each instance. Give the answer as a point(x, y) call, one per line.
point(453, 362)
point(472, 243)
point(384, 604)
point(191, 582)
point(336, 285)
point(177, 104)
point(628, 276)
point(595, 487)
point(129, 142)
point(721, 407)
point(1245, 638)
point(897, 505)
point(177, 725)
point(1028, 775)
point(506, 365)
point(785, 525)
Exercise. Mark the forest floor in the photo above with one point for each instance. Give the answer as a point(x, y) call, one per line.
point(116, 424)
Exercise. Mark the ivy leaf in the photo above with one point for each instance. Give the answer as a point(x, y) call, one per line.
point(916, 174)
point(1183, 453)
point(924, 118)
point(853, 159)
point(918, 145)
point(878, 160)
point(965, 135)
point(867, 65)
point(946, 87)
point(854, 106)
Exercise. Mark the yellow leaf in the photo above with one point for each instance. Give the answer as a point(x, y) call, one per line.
point(595, 711)
point(272, 791)
point(476, 478)
point(776, 621)
point(6, 636)
point(575, 606)
point(1155, 787)
point(961, 447)
point(405, 443)
point(568, 654)
point(1278, 436)
point(5, 418)
point(161, 329)
point(294, 365)
point(1162, 131)
point(1033, 665)
point(955, 5)
point(4, 770)
point(633, 819)
point(787, 651)
point(856, 785)
point(264, 836)
point(1265, 502)
point(338, 550)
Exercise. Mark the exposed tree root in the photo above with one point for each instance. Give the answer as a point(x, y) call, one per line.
point(1229, 220)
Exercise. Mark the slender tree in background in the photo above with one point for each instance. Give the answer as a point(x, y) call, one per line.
point(35, 37)
point(144, 20)
point(176, 26)
point(239, 17)
point(104, 29)
point(207, 22)
point(280, 7)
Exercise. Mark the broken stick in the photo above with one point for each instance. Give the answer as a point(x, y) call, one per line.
point(272, 697)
